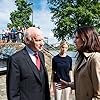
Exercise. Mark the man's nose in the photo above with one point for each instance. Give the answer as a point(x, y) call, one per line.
point(74, 40)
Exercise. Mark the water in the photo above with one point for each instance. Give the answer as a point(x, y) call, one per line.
point(8, 51)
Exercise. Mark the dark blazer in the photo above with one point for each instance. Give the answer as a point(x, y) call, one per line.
point(23, 79)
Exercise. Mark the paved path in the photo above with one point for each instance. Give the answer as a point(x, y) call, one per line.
point(3, 89)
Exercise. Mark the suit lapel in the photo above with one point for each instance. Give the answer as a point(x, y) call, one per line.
point(43, 62)
point(31, 64)
point(83, 62)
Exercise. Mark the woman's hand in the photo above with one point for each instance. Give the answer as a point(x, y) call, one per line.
point(61, 85)
point(65, 84)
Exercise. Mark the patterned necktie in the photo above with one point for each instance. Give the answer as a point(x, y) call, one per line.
point(37, 61)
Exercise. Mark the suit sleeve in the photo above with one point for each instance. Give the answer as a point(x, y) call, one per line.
point(53, 65)
point(95, 77)
point(13, 80)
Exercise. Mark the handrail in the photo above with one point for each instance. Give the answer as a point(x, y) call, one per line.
point(48, 51)
point(53, 48)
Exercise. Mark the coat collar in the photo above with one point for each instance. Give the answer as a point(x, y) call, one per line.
point(83, 61)
point(87, 55)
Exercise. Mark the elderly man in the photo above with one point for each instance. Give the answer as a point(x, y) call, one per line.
point(26, 74)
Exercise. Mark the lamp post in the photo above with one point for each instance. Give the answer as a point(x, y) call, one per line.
point(32, 11)
point(31, 4)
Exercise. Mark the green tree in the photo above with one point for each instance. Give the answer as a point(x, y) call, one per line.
point(70, 14)
point(21, 16)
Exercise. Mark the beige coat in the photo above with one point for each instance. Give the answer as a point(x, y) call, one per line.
point(87, 78)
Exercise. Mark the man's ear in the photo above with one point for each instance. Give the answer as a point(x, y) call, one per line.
point(27, 40)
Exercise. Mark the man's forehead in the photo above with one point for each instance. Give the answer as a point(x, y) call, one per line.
point(38, 36)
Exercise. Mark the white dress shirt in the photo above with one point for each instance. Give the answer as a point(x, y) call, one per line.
point(31, 54)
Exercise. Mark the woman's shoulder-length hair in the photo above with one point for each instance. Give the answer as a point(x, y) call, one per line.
point(89, 36)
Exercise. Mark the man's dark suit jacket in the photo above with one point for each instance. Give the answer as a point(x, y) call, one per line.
point(23, 79)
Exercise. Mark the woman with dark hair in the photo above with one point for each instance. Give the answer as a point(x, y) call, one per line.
point(87, 70)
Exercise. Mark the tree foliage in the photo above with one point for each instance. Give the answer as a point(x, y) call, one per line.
point(21, 16)
point(70, 14)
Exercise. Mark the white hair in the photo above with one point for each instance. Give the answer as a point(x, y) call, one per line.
point(30, 33)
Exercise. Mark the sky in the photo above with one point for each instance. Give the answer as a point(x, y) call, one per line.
point(41, 16)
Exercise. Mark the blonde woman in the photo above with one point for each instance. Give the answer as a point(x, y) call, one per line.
point(62, 69)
